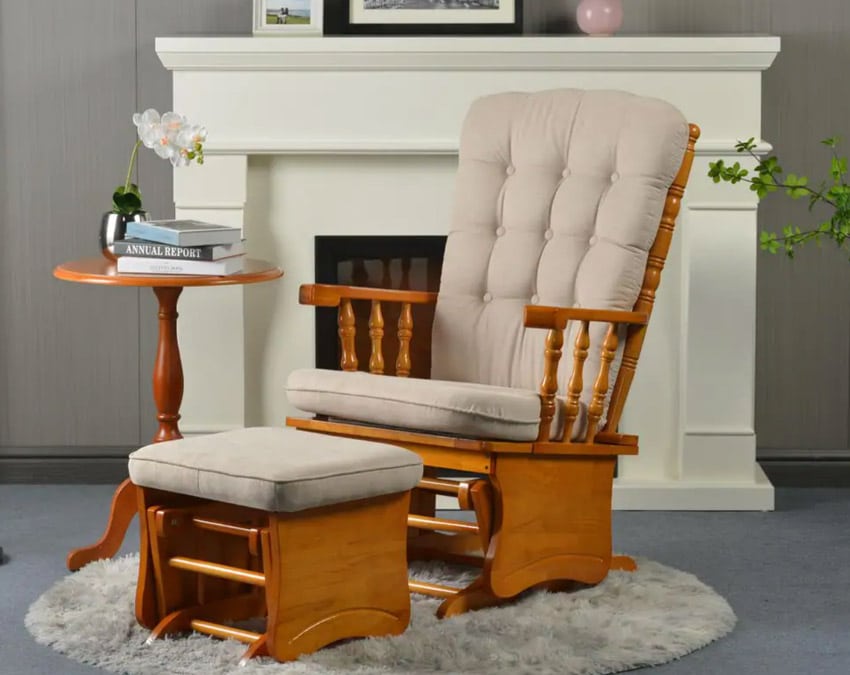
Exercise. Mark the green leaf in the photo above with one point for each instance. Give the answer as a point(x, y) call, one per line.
point(831, 142)
point(839, 167)
point(127, 202)
point(770, 165)
point(746, 146)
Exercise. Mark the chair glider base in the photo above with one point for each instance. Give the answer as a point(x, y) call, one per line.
point(542, 520)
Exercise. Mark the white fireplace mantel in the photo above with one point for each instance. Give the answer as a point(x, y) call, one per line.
point(359, 135)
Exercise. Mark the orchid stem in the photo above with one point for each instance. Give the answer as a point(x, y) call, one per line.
point(132, 163)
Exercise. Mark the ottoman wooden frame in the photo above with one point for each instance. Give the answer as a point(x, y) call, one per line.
point(318, 575)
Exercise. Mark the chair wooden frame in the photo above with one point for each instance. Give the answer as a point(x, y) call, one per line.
point(544, 509)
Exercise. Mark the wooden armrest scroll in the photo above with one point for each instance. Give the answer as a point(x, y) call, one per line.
point(328, 295)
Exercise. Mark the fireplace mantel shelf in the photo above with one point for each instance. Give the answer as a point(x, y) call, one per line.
point(644, 53)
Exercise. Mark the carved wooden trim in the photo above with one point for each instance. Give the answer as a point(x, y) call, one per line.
point(652, 277)
point(405, 335)
point(376, 334)
point(549, 385)
point(576, 383)
point(347, 331)
point(600, 387)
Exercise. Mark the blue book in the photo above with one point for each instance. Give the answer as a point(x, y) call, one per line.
point(183, 232)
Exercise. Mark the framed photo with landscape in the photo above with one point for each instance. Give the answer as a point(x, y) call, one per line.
point(288, 17)
point(422, 17)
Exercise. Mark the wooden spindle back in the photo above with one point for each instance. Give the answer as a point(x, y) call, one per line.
point(652, 277)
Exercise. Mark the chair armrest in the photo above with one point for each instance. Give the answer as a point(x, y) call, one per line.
point(328, 295)
point(537, 316)
point(555, 319)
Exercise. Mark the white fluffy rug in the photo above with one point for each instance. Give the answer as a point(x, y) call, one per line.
point(648, 617)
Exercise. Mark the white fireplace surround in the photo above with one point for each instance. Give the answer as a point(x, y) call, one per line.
point(357, 136)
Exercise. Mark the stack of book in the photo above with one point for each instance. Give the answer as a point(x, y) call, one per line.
point(180, 247)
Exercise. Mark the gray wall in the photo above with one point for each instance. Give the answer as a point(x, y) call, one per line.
point(75, 361)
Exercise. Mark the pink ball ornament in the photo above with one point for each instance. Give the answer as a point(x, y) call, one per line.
point(600, 17)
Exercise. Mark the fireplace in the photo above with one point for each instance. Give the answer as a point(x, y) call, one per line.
point(383, 261)
point(359, 136)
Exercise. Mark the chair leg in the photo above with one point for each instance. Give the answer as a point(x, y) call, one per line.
point(624, 563)
point(480, 498)
point(552, 522)
point(147, 610)
point(258, 648)
point(475, 596)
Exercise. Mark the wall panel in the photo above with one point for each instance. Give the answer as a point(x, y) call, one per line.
point(69, 353)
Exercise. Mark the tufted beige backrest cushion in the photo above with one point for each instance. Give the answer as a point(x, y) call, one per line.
point(559, 195)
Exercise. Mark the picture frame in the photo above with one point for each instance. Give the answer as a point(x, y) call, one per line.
point(422, 17)
point(288, 17)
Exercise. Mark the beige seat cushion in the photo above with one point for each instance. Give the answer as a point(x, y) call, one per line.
point(457, 408)
point(275, 469)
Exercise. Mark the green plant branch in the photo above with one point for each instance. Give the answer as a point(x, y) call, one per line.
point(814, 193)
point(767, 177)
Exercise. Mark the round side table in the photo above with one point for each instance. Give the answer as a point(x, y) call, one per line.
point(167, 370)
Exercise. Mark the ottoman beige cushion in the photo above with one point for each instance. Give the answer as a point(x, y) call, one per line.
point(275, 469)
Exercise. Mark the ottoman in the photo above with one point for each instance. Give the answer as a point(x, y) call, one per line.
point(306, 530)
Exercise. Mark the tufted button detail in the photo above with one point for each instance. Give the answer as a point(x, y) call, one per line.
point(593, 240)
point(615, 177)
point(548, 234)
point(510, 170)
point(535, 299)
point(487, 297)
point(500, 231)
point(565, 173)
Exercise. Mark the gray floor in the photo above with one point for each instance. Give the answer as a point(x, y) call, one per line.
point(785, 573)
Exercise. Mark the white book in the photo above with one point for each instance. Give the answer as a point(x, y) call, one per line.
point(183, 232)
point(225, 266)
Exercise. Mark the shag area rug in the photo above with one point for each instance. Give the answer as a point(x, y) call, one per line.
point(636, 619)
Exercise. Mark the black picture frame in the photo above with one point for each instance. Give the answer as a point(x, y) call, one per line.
point(337, 22)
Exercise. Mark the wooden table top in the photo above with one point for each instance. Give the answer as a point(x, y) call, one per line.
point(99, 270)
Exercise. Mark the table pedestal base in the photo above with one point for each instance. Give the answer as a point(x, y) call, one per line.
point(168, 394)
point(123, 509)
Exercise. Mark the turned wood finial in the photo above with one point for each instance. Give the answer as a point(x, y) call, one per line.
point(549, 385)
point(405, 335)
point(576, 384)
point(376, 334)
point(600, 387)
point(347, 331)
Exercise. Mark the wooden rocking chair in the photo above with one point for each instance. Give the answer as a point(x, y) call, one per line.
point(565, 208)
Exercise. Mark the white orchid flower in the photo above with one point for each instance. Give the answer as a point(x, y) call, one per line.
point(149, 127)
point(172, 137)
point(190, 135)
point(172, 124)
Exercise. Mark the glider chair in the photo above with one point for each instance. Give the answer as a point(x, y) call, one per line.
point(564, 212)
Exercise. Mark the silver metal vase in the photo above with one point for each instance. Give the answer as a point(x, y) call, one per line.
point(113, 226)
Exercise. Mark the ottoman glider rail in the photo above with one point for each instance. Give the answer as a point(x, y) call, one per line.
point(274, 523)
